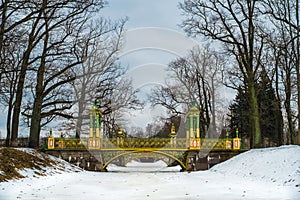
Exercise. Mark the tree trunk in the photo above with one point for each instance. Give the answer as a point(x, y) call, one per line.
point(34, 136)
point(35, 125)
point(18, 100)
point(279, 119)
point(8, 126)
point(287, 105)
point(279, 124)
point(254, 116)
point(214, 125)
point(2, 68)
point(298, 64)
point(80, 119)
point(291, 130)
point(81, 108)
point(20, 86)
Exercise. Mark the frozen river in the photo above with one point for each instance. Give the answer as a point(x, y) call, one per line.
point(257, 174)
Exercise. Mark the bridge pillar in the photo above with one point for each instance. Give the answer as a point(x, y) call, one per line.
point(192, 161)
point(236, 141)
point(193, 138)
point(228, 144)
point(120, 137)
point(95, 127)
point(95, 121)
point(173, 136)
point(193, 128)
point(51, 141)
point(202, 163)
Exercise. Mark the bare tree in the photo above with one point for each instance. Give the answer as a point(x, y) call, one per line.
point(51, 55)
point(234, 24)
point(194, 81)
point(101, 77)
point(31, 43)
point(8, 83)
point(99, 70)
point(11, 21)
point(285, 41)
point(13, 54)
point(116, 100)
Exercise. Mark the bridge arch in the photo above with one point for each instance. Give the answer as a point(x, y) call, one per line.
point(182, 165)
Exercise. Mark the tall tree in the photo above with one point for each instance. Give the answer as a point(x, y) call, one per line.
point(239, 114)
point(195, 79)
point(8, 84)
point(271, 119)
point(52, 56)
point(99, 71)
point(31, 41)
point(285, 40)
point(11, 21)
point(16, 43)
point(270, 115)
point(233, 24)
point(116, 99)
point(11, 50)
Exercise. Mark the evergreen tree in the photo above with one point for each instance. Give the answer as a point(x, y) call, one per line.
point(270, 113)
point(239, 114)
point(269, 110)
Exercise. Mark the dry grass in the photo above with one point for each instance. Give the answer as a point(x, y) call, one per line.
point(13, 160)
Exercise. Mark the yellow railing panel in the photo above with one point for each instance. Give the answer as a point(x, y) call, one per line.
point(141, 143)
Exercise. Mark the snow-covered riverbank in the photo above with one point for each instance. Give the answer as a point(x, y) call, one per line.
point(272, 173)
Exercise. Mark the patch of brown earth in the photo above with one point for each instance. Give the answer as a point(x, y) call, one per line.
point(13, 160)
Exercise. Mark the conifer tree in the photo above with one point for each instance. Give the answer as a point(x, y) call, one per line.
point(271, 120)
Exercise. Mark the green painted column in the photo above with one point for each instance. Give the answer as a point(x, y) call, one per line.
point(191, 127)
point(91, 124)
point(100, 124)
point(97, 124)
point(198, 127)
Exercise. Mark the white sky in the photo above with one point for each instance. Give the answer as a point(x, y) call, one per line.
point(153, 39)
point(145, 13)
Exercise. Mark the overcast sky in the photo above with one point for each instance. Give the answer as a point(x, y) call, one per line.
point(145, 13)
point(153, 39)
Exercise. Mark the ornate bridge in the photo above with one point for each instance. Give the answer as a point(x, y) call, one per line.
point(182, 151)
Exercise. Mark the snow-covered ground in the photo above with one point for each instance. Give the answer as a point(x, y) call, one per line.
point(272, 173)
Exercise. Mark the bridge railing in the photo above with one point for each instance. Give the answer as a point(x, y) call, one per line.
point(215, 144)
point(143, 143)
point(71, 143)
point(147, 143)
point(125, 143)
